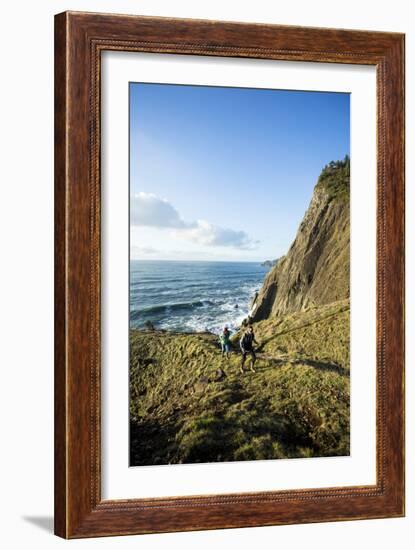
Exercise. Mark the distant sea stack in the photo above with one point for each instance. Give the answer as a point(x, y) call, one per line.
point(316, 269)
point(269, 263)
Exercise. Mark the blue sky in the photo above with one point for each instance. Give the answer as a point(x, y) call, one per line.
point(227, 173)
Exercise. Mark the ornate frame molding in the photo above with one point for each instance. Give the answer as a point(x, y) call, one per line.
point(79, 40)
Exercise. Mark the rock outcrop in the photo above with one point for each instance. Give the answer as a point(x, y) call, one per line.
point(269, 263)
point(315, 271)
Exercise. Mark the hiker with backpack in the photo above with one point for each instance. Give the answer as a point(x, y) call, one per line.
point(247, 347)
point(225, 342)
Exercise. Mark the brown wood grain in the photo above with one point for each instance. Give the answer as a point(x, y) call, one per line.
point(79, 40)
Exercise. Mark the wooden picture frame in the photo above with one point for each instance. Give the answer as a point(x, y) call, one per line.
point(79, 40)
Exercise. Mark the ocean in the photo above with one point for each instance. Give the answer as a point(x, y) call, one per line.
point(192, 296)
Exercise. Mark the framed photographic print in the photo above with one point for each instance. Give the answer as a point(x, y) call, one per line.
point(229, 275)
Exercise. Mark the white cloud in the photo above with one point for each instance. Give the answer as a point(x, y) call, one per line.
point(207, 234)
point(148, 209)
point(151, 211)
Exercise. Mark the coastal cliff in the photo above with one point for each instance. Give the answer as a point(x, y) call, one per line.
point(315, 270)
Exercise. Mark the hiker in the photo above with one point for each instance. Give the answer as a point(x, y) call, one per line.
point(246, 343)
point(225, 342)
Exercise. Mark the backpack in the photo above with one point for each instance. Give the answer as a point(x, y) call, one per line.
point(247, 340)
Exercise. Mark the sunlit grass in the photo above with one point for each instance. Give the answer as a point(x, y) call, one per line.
point(296, 404)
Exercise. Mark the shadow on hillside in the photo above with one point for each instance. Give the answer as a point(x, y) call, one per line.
point(326, 367)
point(147, 439)
point(249, 434)
point(279, 362)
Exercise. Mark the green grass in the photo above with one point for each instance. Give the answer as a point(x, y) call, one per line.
point(335, 179)
point(296, 404)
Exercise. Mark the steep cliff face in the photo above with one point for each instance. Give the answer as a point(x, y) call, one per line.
point(315, 271)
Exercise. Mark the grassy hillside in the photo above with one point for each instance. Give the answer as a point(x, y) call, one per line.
point(188, 404)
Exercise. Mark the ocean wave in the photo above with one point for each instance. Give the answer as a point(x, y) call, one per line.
point(211, 319)
point(182, 299)
point(166, 308)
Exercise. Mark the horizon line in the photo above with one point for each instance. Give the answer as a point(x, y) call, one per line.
point(201, 261)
